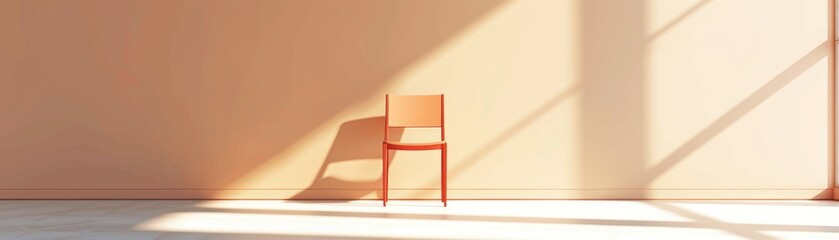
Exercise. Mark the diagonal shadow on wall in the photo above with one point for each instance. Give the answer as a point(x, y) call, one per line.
point(737, 112)
point(204, 92)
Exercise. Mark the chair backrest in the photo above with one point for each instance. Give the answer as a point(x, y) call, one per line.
point(414, 111)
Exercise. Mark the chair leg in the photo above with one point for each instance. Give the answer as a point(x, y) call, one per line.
point(443, 181)
point(384, 174)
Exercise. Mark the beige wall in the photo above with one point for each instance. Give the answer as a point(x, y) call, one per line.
point(283, 99)
point(833, 35)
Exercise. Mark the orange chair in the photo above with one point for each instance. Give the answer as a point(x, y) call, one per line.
point(413, 111)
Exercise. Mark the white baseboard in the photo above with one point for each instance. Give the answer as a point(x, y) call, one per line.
point(425, 194)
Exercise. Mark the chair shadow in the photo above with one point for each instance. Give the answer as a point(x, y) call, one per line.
point(357, 140)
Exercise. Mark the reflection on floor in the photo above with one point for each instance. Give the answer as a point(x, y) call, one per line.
point(147, 219)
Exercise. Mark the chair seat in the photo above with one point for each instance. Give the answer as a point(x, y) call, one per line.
point(415, 146)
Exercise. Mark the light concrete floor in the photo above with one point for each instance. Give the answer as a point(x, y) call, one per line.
point(509, 219)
